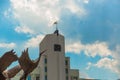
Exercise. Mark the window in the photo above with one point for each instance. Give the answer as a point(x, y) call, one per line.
point(57, 47)
point(45, 77)
point(66, 70)
point(75, 78)
point(45, 69)
point(66, 62)
point(66, 77)
point(37, 78)
point(45, 60)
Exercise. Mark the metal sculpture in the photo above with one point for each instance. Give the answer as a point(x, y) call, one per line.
point(5, 61)
point(27, 64)
point(12, 72)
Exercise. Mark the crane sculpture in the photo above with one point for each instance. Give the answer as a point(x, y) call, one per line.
point(27, 64)
point(8, 74)
point(5, 61)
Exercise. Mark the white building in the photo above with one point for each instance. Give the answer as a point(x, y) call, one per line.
point(53, 64)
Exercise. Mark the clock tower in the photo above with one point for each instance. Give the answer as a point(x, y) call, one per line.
point(52, 63)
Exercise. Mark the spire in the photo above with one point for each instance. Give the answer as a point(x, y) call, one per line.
point(56, 31)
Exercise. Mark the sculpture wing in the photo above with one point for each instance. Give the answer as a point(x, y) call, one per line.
point(2, 77)
point(25, 61)
point(27, 65)
point(7, 59)
point(12, 72)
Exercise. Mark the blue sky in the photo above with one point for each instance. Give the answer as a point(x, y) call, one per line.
point(91, 30)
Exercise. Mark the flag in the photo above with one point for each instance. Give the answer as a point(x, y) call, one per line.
point(55, 22)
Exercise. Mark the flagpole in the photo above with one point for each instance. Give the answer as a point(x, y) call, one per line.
point(56, 31)
point(56, 25)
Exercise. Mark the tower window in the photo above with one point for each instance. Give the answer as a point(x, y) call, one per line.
point(45, 69)
point(57, 47)
point(45, 60)
point(37, 78)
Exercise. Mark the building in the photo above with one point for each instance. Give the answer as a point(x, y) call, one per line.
point(53, 61)
point(53, 64)
point(74, 74)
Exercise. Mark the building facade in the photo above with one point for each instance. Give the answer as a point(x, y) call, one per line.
point(53, 64)
point(74, 74)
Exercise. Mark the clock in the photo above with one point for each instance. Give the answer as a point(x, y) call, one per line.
point(57, 47)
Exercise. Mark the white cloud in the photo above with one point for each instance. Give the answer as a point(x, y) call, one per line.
point(97, 48)
point(75, 47)
point(7, 45)
point(108, 63)
point(24, 29)
point(74, 8)
point(34, 42)
point(112, 63)
point(105, 62)
point(38, 13)
point(86, 1)
point(101, 49)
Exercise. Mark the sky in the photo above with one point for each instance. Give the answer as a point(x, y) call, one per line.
point(91, 29)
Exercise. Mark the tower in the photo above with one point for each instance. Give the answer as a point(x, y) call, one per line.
point(52, 63)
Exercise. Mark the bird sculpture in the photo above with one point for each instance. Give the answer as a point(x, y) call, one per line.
point(27, 64)
point(5, 61)
point(11, 72)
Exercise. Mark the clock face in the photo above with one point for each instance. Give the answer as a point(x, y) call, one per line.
point(57, 47)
